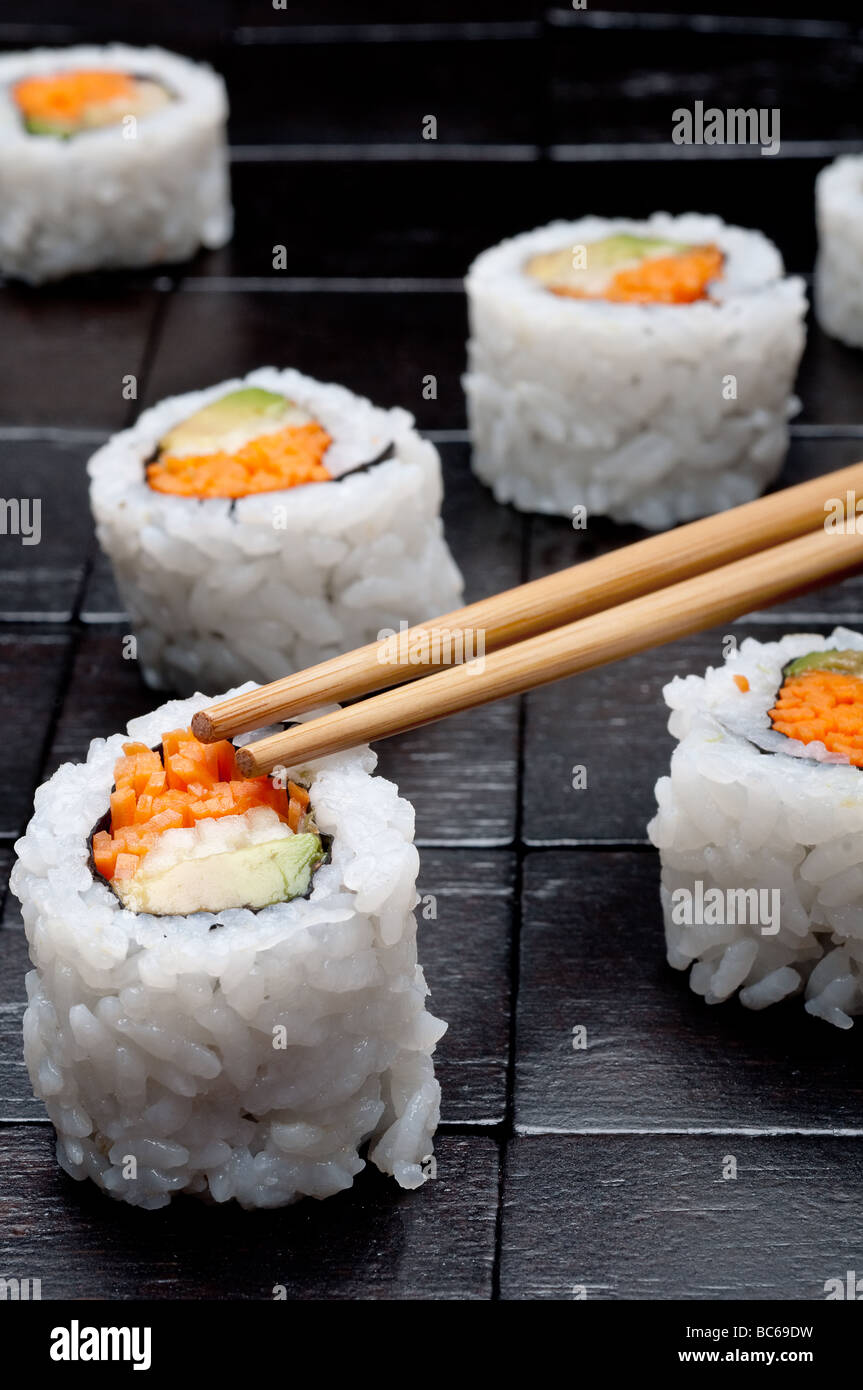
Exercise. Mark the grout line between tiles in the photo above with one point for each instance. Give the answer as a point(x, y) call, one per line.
point(643, 151)
point(695, 1131)
point(62, 434)
point(323, 284)
point(52, 434)
point(493, 1129)
point(815, 431)
point(383, 152)
point(802, 615)
point(766, 26)
point(507, 1129)
point(574, 843)
point(419, 32)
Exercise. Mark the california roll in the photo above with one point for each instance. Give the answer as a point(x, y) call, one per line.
point(109, 156)
point(640, 370)
point(760, 825)
point(264, 525)
point(225, 997)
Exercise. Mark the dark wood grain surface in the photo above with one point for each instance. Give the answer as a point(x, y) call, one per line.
point(372, 1242)
point(562, 1173)
point(654, 1217)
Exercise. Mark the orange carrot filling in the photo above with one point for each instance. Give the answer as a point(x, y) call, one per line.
point(824, 707)
point(678, 279)
point(282, 459)
point(68, 96)
point(191, 781)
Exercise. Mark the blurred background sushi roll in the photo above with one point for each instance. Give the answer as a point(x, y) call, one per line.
point(643, 370)
point(261, 526)
point(760, 825)
point(225, 997)
point(109, 156)
point(839, 266)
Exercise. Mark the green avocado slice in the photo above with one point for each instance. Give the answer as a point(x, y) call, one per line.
point(34, 126)
point(847, 662)
point(613, 250)
point(232, 421)
point(602, 260)
point(258, 876)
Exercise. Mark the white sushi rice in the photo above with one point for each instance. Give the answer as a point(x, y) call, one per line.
point(734, 817)
point(121, 195)
point(219, 591)
point(152, 1038)
point(839, 266)
point(621, 407)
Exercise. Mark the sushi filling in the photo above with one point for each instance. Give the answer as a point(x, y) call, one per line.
point(629, 269)
point(245, 442)
point(821, 701)
point(189, 834)
point(66, 103)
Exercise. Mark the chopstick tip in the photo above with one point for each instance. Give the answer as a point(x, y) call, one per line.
point(246, 763)
point(203, 727)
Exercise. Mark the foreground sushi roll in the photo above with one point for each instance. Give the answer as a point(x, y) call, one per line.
point(264, 525)
point(760, 825)
point(839, 266)
point(641, 369)
point(109, 157)
point(225, 997)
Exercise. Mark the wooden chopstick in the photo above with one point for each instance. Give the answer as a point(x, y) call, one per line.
point(653, 619)
point(544, 603)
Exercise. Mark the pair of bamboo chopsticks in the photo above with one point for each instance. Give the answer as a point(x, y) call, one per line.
point(640, 596)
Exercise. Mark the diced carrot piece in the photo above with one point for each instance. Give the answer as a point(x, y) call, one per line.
point(126, 866)
point(186, 771)
point(140, 777)
point(124, 772)
point(227, 760)
point(104, 854)
point(143, 810)
point(298, 793)
point(742, 683)
point(122, 807)
point(208, 754)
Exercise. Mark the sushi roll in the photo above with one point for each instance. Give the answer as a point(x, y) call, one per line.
point(263, 525)
point(643, 370)
point(225, 998)
point(760, 825)
point(839, 265)
point(109, 157)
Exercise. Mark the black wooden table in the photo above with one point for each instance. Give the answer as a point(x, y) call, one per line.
point(561, 1172)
